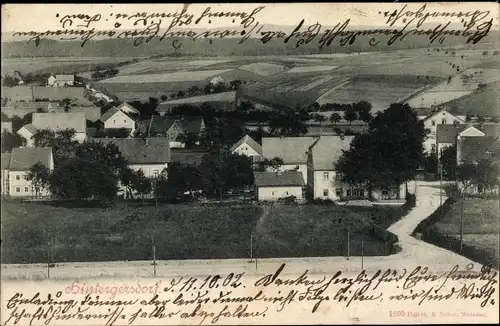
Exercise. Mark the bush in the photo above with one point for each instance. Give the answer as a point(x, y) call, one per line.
point(322, 202)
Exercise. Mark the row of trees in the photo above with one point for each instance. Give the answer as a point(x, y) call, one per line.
point(95, 172)
point(210, 88)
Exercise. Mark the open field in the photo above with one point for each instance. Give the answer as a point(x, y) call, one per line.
point(124, 231)
point(380, 91)
point(481, 229)
point(159, 66)
point(481, 102)
point(315, 231)
point(56, 65)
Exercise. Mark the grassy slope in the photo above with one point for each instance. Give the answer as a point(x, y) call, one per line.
point(124, 232)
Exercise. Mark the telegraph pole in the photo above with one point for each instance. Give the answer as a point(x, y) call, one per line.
point(440, 171)
point(462, 221)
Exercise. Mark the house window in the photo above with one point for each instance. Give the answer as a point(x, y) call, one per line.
point(26, 177)
point(286, 193)
point(18, 189)
point(25, 189)
point(325, 192)
point(114, 121)
point(443, 121)
point(348, 193)
point(18, 177)
point(325, 175)
point(433, 122)
point(361, 193)
point(124, 121)
point(272, 193)
point(338, 192)
point(155, 173)
point(355, 192)
point(338, 176)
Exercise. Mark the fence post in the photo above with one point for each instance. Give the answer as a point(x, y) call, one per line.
point(154, 256)
point(251, 247)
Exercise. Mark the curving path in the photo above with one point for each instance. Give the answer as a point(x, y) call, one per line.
point(414, 252)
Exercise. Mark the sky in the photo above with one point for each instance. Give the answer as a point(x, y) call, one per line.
point(42, 17)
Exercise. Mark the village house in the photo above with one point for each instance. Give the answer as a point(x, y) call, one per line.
point(15, 168)
point(172, 127)
point(117, 119)
point(447, 135)
point(441, 117)
point(61, 80)
point(151, 155)
point(271, 186)
point(292, 150)
point(55, 122)
point(323, 180)
point(248, 147)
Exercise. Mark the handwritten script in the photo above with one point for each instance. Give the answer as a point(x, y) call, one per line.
point(227, 298)
point(471, 26)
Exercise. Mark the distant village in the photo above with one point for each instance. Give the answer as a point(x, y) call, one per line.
point(284, 165)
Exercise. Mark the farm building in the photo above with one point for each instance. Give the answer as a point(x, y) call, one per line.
point(151, 155)
point(441, 117)
point(117, 119)
point(171, 126)
point(224, 101)
point(271, 186)
point(15, 166)
point(55, 122)
point(248, 147)
point(63, 80)
point(292, 150)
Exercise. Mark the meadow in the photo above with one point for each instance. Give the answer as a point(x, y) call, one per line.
point(125, 231)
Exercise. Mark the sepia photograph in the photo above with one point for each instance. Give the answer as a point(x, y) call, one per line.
point(250, 163)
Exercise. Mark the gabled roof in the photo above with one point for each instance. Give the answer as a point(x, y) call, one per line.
point(141, 151)
point(327, 150)
point(187, 156)
point(5, 161)
point(29, 127)
point(473, 149)
point(448, 133)
point(23, 158)
point(161, 124)
point(435, 113)
point(250, 142)
point(108, 114)
point(293, 150)
point(127, 108)
point(60, 121)
point(278, 179)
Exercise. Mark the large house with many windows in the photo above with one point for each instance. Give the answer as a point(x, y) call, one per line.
point(15, 167)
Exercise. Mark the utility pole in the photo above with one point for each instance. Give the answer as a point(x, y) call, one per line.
point(362, 254)
point(251, 247)
point(440, 170)
point(348, 246)
point(462, 221)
